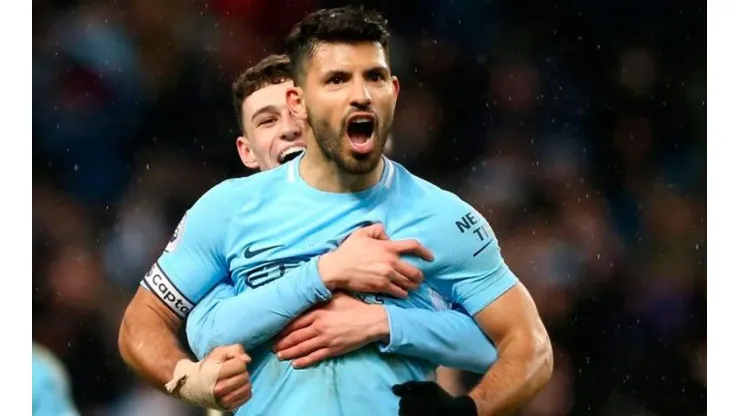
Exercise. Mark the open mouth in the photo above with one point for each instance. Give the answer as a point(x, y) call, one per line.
point(360, 129)
point(290, 153)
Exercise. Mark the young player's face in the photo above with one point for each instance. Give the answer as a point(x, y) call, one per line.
point(273, 135)
point(350, 97)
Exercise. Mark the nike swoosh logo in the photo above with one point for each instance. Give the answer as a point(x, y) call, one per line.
point(248, 253)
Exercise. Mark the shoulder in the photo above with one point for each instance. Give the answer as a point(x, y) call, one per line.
point(444, 222)
point(439, 204)
point(226, 198)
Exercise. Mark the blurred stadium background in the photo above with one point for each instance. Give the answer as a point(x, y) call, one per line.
point(577, 127)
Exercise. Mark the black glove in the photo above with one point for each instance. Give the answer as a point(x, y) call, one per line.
point(426, 398)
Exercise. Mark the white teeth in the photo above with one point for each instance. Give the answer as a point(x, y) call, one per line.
point(290, 151)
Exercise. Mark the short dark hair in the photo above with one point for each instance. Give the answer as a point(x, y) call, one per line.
point(340, 25)
point(275, 69)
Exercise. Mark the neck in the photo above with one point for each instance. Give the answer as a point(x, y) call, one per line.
point(322, 173)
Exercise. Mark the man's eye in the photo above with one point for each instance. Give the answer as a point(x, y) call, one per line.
point(267, 121)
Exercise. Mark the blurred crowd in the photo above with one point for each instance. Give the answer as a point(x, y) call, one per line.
point(577, 128)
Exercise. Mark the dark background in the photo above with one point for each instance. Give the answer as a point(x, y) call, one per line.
point(577, 127)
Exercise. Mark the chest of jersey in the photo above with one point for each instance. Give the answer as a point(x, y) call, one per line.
point(290, 230)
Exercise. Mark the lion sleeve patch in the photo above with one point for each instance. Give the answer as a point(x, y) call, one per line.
point(176, 236)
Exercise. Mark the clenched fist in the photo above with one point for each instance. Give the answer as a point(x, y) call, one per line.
point(233, 387)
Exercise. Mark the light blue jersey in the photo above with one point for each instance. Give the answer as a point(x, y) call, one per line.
point(263, 234)
point(51, 396)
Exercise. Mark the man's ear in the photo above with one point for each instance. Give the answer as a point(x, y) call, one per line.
point(245, 153)
point(296, 103)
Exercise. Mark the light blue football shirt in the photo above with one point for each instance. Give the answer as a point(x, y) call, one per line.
point(264, 233)
point(50, 391)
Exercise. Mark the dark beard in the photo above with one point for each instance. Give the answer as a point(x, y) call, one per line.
point(330, 143)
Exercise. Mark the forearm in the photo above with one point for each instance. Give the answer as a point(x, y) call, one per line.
point(450, 380)
point(148, 342)
point(449, 338)
point(522, 370)
point(266, 310)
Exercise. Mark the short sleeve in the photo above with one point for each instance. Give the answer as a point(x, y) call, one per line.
point(193, 261)
point(468, 267)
